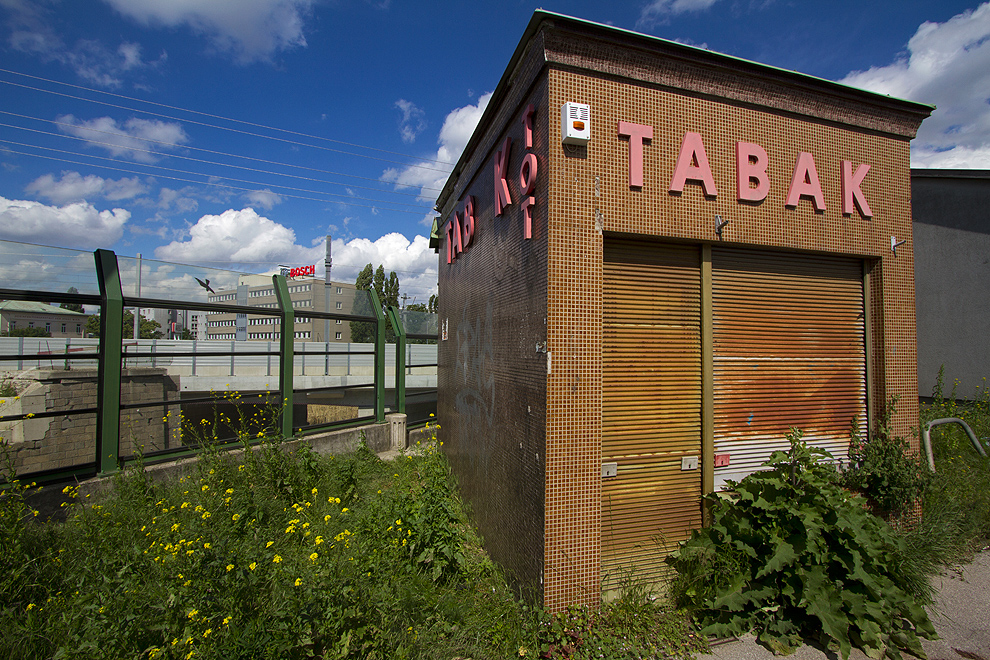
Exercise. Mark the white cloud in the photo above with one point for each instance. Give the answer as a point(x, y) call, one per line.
point(77, 225)
point(30, 32)
point(266, 199)
point(137, 139)
point(413, 120)
point(73, 187)
point(457, 129)
point(249, 30)
point(657, 11)
point(414, 262)
point(238, 237)
point(946, 65)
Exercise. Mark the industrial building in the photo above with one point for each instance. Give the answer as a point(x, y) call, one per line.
point(654, 261)
point(308, 294)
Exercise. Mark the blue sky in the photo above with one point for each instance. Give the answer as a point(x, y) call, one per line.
point(239, 133)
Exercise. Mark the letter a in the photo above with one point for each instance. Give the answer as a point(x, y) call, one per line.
point(692, 165)
point(805, 183)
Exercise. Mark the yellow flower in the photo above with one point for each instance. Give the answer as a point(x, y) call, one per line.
point(318, 540)
point(30, 607)
point(277, 559)
point(235, 517)
point(230, 567)
point(269, 544)
point(253, 565)
point(313, 491)
point(29, 415)
point(206, 633)
point(226, 620)
point(298, 581)
point(314, 556)
point(192, 613)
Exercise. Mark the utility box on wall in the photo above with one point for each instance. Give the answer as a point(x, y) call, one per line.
point(709, 268)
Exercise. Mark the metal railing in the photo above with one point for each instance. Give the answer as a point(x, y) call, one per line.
point(118, 360)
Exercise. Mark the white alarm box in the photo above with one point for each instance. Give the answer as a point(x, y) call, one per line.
point(575, 123)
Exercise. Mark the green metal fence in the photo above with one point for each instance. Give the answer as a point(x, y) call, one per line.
point(65, 280)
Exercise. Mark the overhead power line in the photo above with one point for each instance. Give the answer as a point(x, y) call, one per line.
point(208, 183)
point(233, 130)
point(197, 160)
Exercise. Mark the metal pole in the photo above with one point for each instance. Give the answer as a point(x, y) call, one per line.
point(108, 379)
point(137, 310)
point(286, 353)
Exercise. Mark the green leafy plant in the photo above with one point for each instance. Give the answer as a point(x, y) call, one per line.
point(884, 468)
point(792, 555)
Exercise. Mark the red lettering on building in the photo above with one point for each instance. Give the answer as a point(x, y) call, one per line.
point(502, 198)
point(636, 134)
point(751, 167)
point(527, 174)
point(527, 121)
point(804, 183)
point(526, 206)
point(302, 271)
point(692, 165)
point(468, 222)
point(852, 194)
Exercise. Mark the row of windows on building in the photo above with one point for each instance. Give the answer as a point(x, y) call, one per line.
point(48, 326)
point(299, 288)
point(302, 334)
point(269, 320)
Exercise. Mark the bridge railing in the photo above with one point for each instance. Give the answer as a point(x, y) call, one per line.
point(87, 405)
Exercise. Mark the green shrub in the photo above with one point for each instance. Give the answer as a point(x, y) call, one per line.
point(793, 555)
point(884, 468)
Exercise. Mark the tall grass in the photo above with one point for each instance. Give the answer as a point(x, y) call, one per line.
point(956, 498)
point(266, 554)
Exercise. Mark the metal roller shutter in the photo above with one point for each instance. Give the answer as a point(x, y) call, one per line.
point(789, 351)
point(651, 404)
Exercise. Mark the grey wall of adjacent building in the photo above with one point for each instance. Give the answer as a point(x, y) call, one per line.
point(951, 211)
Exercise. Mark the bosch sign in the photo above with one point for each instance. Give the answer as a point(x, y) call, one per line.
point(301, 271)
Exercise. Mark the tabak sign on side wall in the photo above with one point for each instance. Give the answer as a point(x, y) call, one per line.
point(459, 230)
point(752, 178)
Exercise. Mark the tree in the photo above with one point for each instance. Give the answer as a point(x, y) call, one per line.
point(186, 334)
point(434, 305)
point(27, 332)
point(147, 330)
point(387, 290)
point(75, 307)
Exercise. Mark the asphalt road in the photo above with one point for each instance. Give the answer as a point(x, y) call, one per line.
point(961, 617)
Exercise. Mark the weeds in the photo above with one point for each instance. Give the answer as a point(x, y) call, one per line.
point(265, 553)
point(807, 559)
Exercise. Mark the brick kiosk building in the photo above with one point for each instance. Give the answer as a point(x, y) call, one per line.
point(654, 260)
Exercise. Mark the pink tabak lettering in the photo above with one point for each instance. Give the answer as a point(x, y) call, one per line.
point(636, 134)
point(805, 183)
point(751, 166)
point(692, 165)
point(852, 193)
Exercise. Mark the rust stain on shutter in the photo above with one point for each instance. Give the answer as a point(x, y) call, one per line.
point(789, 351)
point(651, 405)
